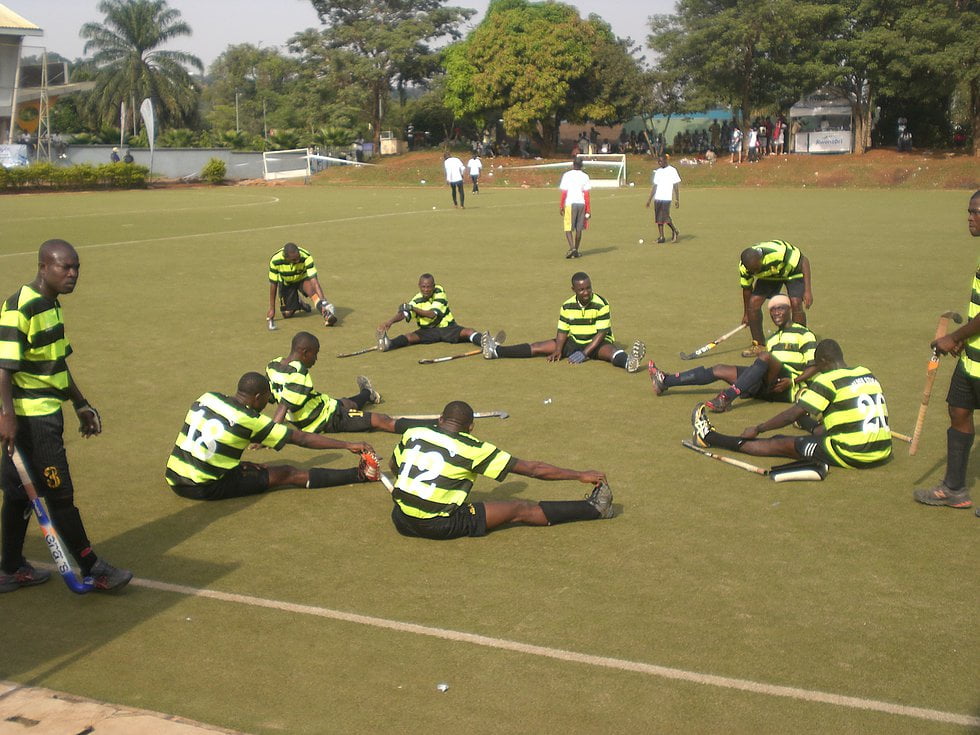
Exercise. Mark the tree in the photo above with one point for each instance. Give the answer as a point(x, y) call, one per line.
point(539, 63)
point(380, 45)
point(132, 66)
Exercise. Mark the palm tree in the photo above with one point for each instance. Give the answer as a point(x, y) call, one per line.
point(131, 66)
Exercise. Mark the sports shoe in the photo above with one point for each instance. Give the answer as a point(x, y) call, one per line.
point(383, 342)
point(106, 578)
point(489, 345)
point(601, 499)
point(754, 351)
point(635, 361)
point(364, 383)
point(657, 378)
point(676, 236)
point(942, 495)
point(26, 576)
point(660, 240)
point(326, 310)
point(369, 468)
point(303, 306)
point(719, 404)
point(702, 427)
point(570, 254)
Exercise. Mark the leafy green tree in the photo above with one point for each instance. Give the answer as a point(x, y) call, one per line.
point(539, 63)
point(132, 66)
point(381, 45)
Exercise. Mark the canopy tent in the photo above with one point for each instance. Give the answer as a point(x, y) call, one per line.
point(822, 122)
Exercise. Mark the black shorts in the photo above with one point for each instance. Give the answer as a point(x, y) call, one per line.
point(661, 211)
point(768, 288)
point(344, 421)
point(431, 335)
point(244, 480)
point(289, 296)
point(41, 442)
point(821, 448)
point(964, 391)
point(469, 519)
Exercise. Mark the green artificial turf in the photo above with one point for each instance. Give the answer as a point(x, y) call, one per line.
point(845, 586)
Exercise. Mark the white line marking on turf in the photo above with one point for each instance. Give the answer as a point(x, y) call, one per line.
point(128, 212)
point(664, 672)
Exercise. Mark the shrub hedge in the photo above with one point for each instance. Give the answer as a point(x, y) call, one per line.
point(82, 176)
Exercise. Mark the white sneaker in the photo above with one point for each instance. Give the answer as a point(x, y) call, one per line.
point(383, 342)
point(364, 382)
point(637, 352)
point(489, 345)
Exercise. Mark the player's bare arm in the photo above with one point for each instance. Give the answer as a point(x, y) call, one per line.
point(319, 441)
point(89, 421)
point(545, 471)
point(8, 422)
point(778, 421)
point(560, 340)
point(807, 290)
point(952, 343)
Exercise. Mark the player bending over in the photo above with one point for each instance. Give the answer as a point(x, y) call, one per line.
point(853, 431)
point(292, 272)
point(762, 270)
point(206, 460)
point(430, 307)
point(584, 332)
point(435, 469)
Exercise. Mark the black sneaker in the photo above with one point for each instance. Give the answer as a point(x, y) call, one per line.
point(106, 578)
point(719, 404)
point(26, 576)
point(601, 499)
point(942, 495)
point(657, 378)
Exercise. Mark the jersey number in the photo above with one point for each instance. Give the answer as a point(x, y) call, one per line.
point(872, 410)
point(202, 436)
point(425, 465)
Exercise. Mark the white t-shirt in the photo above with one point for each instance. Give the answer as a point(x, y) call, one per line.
point(576, 183)
point(454, 169)
point(474, 165)
point(663, 182)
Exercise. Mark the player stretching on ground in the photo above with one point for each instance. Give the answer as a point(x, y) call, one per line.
point(430, 307)
point(584, 332)
point(762, 270)
point(776, 375)
point(291, 272)
point(853, 431)
point(318, 413)
point(206, 460)
point(435, 469)
point(964, 394)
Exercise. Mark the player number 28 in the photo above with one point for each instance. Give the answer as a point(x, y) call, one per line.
point(202, 436)
point(426, 466)
point(872, 410)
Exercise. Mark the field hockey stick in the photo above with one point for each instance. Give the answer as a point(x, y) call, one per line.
point(711, 345)
point(357, 352)
point(727, 460)
point(79, 587)
point(932, 368)
point(387, 482)
point(477, 415)
point(901, 437)
point(501, 336)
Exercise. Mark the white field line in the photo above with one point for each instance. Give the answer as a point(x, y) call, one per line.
point(500, 644)
point(269, 228)
point(270, 200)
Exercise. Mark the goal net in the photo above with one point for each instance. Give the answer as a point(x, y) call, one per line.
point(291, 164)
point(605, 169)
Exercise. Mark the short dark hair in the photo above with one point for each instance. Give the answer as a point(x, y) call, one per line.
point(580, 276)
point(828, 350)
point(290, 247)
point(253, 384)
point(304, 340)
point(459, 412)
point(427, 277)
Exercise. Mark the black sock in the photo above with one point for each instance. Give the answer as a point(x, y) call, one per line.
point(694, 376)
point(565, 511)
point(523, 350)
point(398, 342)
point(619, 359)
point(14, 520)
point(724, 441)
point(403, 425)
point(749, 382)
point(958, 445)
point(320, 477)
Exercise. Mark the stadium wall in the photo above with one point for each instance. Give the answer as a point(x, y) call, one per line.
point(173, 163)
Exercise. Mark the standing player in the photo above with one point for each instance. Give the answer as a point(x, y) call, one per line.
point(435, 469)
point(584, 332)
point(205, 463)
point(964, 394)
point(34, 382)
point(454, 177)
point(853, 431)
point(475, 165)
point(315, 412)
point(666, 187)
point(762, 270)
point(575, 206)
point(778, 374)
point(430, 307)
point(291, 272)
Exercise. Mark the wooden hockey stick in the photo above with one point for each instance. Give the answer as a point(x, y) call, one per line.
point(711, 345)
point(357, 352)
point(932, 368)
point(727, 460)
point(477, 415)
point(501, 336)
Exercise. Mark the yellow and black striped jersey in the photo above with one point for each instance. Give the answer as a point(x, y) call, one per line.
point(286, 273)
point(780, 262)
point(216, 432)
point(307, 409)
point(436, 469)
point(971, 351)
point(855, 415)
point(33, 347)
point(438, 303)
point(793, 346)
point(582, 323)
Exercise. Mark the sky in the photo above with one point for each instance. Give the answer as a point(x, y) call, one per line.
point(217, 24)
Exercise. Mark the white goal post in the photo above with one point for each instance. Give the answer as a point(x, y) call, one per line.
point(606, 170)
point(290, 164)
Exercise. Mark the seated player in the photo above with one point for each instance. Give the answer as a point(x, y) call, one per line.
point(292, 272)
point(763, 269)
point(584, 332)
point(853, 431)
point(776, 375)
point(318, 413)
point(435, 469)
point(430, 307)
point(205, 463)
